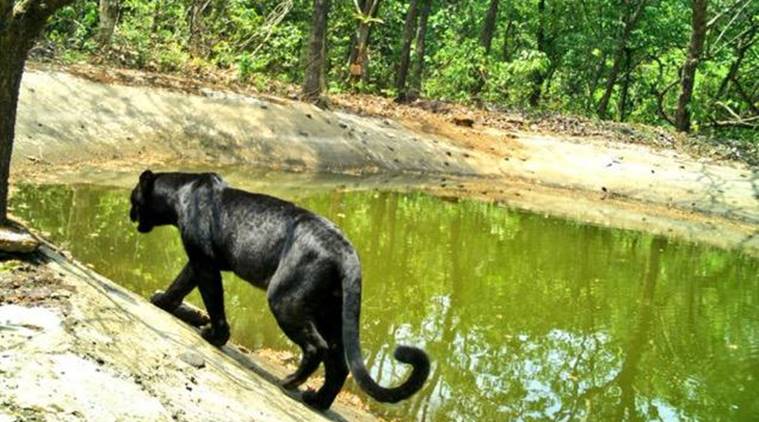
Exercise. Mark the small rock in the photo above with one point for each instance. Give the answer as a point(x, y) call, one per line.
point(193, 359)
point(17, 240)
point(463, 121)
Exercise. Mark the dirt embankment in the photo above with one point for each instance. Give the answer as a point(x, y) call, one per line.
point(75, 346)
point(71, 124)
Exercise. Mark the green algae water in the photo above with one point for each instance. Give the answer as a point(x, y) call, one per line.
point(525, 317)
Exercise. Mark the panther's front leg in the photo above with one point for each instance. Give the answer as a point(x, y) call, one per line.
point(212, 292)
point(175, 294)
point(171, 299)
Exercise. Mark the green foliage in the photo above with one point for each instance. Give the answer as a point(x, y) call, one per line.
point(73, 27)
point(456, 71)
point(509, 83)
point(571, 65)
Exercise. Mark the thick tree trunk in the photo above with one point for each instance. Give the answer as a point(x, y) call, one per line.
point(488, 27)
point(405, 57)
point(313, 84)
point(698, 35)
point(21, 25)
point(619, 56)
point(417, 74)
point(109, 14)
point(539, 77)
point(11, 69)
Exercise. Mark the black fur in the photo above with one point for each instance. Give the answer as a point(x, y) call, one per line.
point(311, 274)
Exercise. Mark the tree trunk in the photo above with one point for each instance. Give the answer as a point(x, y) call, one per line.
point(698, 35)
point(539, 77)
point(359, 57)
point(109, 14)
point(488, 27)
point(421, 34)
point(313, 84)
point(19, 29)
point(486, 41)
point(622, 104)
point(610, 82)
point(195, 12)
point(506, 49)
point(619, 56)
point(11, 69)
point(354, 37)
point(405, 57)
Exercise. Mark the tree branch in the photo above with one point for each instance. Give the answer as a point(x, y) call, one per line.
point(742, 92)
point(719, 16)
point(660, 102)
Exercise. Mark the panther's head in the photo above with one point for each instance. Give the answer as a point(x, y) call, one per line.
point(141, 198)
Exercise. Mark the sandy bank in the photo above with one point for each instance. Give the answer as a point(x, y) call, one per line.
point(75, 126)
point(75, 346)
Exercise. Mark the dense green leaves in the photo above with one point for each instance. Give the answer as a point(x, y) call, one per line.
point(556, 54)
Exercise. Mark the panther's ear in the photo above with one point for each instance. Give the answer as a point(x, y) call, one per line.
point(147, 175)
point(146, 181)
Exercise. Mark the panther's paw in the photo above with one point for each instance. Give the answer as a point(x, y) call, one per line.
point(217, 336)
point(191, 316)
point(160, 300)
point(313, 399)
point(288, 384)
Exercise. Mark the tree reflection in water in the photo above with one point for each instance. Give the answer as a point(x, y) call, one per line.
point(524, 316)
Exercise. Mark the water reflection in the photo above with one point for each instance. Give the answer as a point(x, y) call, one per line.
point(525, 317)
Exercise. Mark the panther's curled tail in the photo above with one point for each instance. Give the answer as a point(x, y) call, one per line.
point(351, 284)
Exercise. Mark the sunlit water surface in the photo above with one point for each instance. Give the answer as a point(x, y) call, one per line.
point(525, 317)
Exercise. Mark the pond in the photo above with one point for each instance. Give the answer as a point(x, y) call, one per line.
point(524, 316)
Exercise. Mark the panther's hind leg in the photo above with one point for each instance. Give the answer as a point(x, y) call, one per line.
point(336, 372)
point(313, 349)
point(290, 302)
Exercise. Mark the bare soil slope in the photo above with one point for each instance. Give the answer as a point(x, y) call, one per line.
point(76, 125)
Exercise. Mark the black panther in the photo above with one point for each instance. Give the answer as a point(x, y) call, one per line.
point(311, 274)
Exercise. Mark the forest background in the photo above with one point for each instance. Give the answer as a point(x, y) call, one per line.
point(688, 65)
